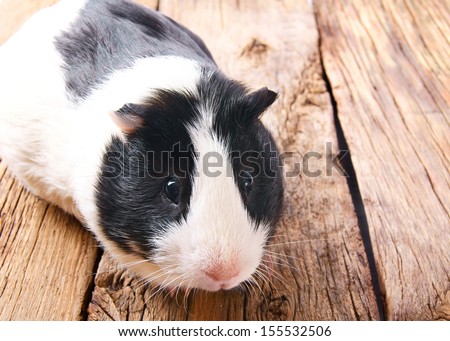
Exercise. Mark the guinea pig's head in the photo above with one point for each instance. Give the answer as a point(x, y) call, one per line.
point(190, 195)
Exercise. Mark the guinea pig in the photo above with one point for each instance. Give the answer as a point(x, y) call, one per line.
point(120, 116)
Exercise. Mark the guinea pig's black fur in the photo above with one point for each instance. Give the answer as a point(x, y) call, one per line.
point(110, 34)
point(162, 147)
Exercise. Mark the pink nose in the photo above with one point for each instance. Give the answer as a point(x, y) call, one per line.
point(221, 273)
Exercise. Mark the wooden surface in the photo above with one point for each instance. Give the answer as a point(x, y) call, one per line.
point(46, 258)
point(320, 270)
point(392, 102)
point(388, 65)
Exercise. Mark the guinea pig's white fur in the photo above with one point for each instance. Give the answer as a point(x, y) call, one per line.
point(55, 144)
point(32, 90)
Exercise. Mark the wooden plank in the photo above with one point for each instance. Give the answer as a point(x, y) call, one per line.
point(320, 267)
point(47, 259)
point(389, 68)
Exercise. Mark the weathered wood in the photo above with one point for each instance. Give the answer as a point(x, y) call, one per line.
point(319, 254)
point(47, 260)
point(389, 68)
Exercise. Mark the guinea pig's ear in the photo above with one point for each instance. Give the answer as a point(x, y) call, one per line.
point(258, 102)
point(128, 118)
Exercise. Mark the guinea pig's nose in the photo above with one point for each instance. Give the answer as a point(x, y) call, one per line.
point(221, 273)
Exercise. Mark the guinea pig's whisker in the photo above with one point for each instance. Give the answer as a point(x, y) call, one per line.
point(164, 273)
point(264, 283)
point(180, 287)
point(305, 241)
point(268, 265)
point(252, 288)
point(243, 287)
point(153, 276)
point(194, 291)
point(276, 254)
point(270, 259)
point(147, 280)
point(280, 263)
point(283, 260)
point(284, 263)
point(165, 285)
point(260, 274)
point(173, 293)
point(186, 296)
point(159, 289)
point(184, 301)
point(276, 236)
point(249, 287)
point(264, 273)
point(259, 287)
point(174, 279)
point(159, 273)
point(271, 272)
point(261, 290)
point(156, 295)
point(130, 264)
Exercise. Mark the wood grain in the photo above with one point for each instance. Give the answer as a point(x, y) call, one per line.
point(389, 68)
point(47, 260)
point(320, 270)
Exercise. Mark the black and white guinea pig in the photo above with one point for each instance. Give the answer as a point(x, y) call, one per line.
point(120, 116)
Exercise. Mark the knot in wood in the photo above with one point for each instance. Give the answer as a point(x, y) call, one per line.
point(255, 49)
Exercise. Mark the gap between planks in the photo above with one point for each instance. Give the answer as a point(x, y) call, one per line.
point(352, 182)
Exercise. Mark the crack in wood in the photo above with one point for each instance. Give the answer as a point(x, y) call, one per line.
point(353, 187)
point(284, 54)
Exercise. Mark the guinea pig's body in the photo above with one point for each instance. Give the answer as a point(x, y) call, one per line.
point(116, 114)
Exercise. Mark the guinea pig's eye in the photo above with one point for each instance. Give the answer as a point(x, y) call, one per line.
point(172, 189)
point(247, 181)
